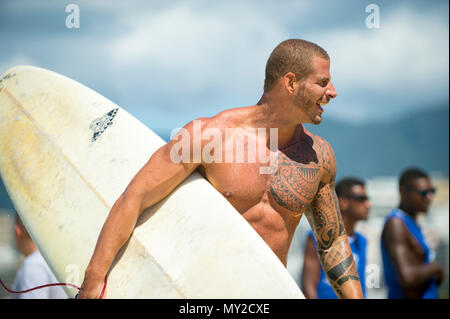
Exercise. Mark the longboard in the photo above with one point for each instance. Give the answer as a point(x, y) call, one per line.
point(67, 153)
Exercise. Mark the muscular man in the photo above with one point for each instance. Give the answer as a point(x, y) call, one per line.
point(296, 88)
point(408, 269)
point(354, 205)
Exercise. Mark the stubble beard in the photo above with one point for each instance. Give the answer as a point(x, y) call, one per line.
point(308, 107)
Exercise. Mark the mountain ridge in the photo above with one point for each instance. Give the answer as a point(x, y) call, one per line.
point(375, 149)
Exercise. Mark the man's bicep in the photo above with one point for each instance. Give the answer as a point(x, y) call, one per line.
point(159, 176)
point(311, 265)
point(394, 237)
point(311, 270)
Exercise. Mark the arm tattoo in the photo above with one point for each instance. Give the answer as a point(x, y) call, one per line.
point(340, 269)
point(326, 222)
point(338, 264)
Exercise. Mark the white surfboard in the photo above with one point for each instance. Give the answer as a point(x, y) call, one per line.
point(67, 153)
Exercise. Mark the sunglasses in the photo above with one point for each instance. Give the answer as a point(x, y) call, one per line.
point(359, 198)
point(424, 192)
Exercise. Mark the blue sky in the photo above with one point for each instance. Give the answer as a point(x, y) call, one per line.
point(168, 62)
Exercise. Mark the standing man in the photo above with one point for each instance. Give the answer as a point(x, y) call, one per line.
point(354, 205)
point(296, 88)
point(408, 269)
point(34, 270)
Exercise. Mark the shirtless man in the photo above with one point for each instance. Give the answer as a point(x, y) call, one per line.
point(296, 87)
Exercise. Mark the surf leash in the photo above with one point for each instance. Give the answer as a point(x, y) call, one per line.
point(51, 285)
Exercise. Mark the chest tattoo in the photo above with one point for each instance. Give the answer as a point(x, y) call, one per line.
point(294, 185)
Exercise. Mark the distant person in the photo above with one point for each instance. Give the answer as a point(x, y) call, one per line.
point(354, 205)
point(34, 271)
point(408, 269)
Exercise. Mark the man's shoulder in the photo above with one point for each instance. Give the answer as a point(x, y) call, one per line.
point(394, 219)
point(394, 229)
point(228, 118)
point(325, 155)
point(321, 143)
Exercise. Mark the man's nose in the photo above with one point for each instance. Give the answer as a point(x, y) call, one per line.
point(331, 91)
point(429, 197)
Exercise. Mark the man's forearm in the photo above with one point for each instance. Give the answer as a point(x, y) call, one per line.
point(340, 268)
point(417, 275)
point(115, 232)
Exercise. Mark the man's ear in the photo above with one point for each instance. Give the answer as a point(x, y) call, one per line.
point(343, 203)
point(18, 231)
point(289, 82)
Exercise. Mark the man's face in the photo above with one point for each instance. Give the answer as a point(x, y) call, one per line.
point(359, 203)
point(315, 91)
point(418, 193)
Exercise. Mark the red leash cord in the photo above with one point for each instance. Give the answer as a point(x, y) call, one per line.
point(51, 285)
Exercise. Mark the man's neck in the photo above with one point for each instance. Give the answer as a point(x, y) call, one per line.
point(270, 113)
point(349, 225)
point(28, 248)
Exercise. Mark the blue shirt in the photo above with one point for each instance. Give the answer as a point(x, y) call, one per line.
point(358, 244)
point(394, 289)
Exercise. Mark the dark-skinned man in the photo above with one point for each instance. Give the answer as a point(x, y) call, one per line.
point(408, 269)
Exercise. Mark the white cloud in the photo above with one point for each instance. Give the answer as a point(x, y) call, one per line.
point(404, 63)
point(209, 47)
point(211, 55)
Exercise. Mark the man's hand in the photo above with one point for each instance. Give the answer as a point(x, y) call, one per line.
point(92, 288)
point(439, 274)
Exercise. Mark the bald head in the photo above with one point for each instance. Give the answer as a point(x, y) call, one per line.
point(293, 55)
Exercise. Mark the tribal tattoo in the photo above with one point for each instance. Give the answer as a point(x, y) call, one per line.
point(295, 183)
point(304, 181)
point(333, 248)
point(326, 219)
point(328, 160)
point(328, 227)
